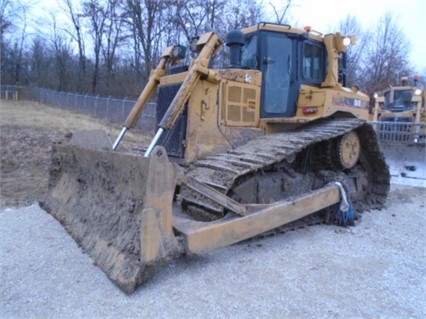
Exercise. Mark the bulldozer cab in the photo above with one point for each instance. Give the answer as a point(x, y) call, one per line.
point(286, 61)
point(399, 100)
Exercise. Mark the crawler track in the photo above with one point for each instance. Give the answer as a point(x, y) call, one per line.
point(224, 171)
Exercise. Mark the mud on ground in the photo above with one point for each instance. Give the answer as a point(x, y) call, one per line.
point(27, 131)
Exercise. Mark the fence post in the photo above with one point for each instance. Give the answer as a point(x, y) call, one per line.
point(96, 105)
point(85, 97)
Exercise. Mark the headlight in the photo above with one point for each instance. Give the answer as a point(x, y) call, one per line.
point(346, 41)
point(417, 92)
point(376, 95)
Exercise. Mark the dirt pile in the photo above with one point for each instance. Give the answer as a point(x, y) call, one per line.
point(27, 131)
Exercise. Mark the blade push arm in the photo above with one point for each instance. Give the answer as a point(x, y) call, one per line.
point(208, 44)
point(146, 94)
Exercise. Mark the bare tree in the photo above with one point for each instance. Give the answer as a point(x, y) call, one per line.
point(63, 58)
point(40, 63)
point(144, 20)
point(6, 17)
point(96, 13)
point(195, 17)
point(77, 35)
point(281, 13)
point(386, 55)
point(13, 22)
point(242, 13)
point(20, 49)
point(113, 38)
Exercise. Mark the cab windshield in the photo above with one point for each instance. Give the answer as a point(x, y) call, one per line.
point(402, 100)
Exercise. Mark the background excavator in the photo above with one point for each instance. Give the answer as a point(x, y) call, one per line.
point(399, 118)
point(273, 140)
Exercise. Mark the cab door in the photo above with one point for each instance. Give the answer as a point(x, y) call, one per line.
point(278, 87)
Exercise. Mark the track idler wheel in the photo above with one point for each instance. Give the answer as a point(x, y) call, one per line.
point(348, 150)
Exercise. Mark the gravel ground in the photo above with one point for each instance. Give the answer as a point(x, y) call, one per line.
point(374, 270)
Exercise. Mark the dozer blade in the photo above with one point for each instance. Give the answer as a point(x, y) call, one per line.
point(407, 163)
point(117, 206)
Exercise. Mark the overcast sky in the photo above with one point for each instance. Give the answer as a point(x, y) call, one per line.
point(321, 15)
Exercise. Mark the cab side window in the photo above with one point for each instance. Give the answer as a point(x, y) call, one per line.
point(313, 65)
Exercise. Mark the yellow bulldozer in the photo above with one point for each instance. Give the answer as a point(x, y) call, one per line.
point(271, 142)
point(399, 118)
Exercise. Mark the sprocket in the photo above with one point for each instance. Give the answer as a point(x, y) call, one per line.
point(348, 149)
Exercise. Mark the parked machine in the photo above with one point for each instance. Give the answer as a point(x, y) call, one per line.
point(274, 138)
point(399, 118)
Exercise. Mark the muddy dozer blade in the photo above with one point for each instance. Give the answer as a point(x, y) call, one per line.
point(407, 162)
point(117, 206)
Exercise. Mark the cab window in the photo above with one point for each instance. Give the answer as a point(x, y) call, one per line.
point(312, 62)
point(249, 54)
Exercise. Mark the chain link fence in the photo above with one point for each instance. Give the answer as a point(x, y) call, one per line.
point(112, 109)
point(116, 111)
